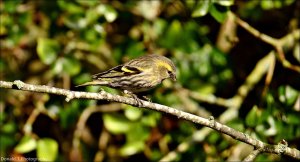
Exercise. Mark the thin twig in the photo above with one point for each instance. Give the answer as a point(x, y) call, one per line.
point(278, 44)
point(253, 155)
point(269, 76)
point(270, 40)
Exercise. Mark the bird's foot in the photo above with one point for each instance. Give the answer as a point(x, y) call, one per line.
point(135, 97)
point(146, 98)
point(101, 91)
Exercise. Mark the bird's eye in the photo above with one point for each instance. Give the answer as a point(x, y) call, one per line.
point(172, 75)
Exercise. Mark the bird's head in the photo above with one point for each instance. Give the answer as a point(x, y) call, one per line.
point(167, 69)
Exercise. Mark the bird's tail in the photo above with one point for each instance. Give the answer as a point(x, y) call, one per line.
point(94, 82)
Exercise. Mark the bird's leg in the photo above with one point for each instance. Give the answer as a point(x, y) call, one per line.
point(147, 98)
point(101, 91)
point(134, 96)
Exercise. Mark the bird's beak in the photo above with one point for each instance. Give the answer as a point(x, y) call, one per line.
point(173, 77)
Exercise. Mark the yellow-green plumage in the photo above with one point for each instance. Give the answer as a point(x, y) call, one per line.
point(137, 75)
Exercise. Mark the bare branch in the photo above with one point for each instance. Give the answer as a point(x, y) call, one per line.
point(270, 40)
point(278, 44)
point(211, 123)
point(253, 155)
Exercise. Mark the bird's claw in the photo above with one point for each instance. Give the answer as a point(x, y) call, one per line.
point(138, 100)
point(135, 97)
point(147, 98)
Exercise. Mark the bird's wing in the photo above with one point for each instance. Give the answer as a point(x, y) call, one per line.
point(118, 71)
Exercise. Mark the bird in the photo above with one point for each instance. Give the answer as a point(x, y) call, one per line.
point(138, 75)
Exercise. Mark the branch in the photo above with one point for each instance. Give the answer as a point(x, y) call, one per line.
point(278, 44)
point(280, 147)
point(211, 123)
point(253, 155)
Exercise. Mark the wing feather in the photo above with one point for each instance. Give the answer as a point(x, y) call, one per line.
point(118, 71)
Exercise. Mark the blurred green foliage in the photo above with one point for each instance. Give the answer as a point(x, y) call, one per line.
point(62, 43)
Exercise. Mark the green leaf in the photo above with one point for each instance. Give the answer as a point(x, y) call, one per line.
point(213, 138)
point(220, 16)
point(69, 114)
point(66, 65)
point(82, 78)
point(272, 130)
point(10, 6)
point(267, 5)
point(133, 113)
point(252, 117)
point(201, 8)
point(293, 118)
point(138, 132)
point(91, 16)
point(132, 148)
point(47, 149)
point(110, 14)
point(151, 119)
point(224, 2)
point(87, 3)
point(9, 127)
point(71, 66)
point(288, 95)
point(7, 142)
point(57, 67)
point(291, 95)
point(70, 7)
point(116, 123)
point(236, 124)
point(135, 49)
point(26, 144)
point(47, 50)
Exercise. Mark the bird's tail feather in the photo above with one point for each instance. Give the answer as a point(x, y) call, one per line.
point(95, 82)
